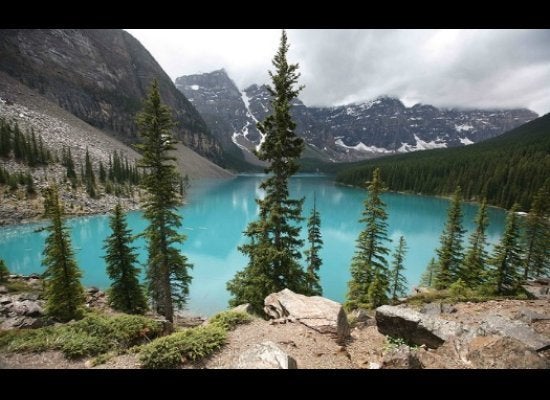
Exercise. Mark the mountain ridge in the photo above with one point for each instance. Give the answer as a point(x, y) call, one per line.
point(351, 132)
point(101, 76)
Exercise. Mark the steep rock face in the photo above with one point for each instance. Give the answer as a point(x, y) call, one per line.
point(345, 133)
point(101, 76)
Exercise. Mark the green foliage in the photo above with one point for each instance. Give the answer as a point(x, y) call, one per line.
point(274, 239)
point(167, 277)
point(23, 146)
point(93, 335)
point(506, 169)
point(191, 344)
point(230, 319)
point(126, 293)
point(89, 176)
point(450, 253)
point(536, 240)
point(377, 292)
point(429, 276)
point(472, 270)
point(504, 278)
point(398, 283)
point(369, 259)
point(459, 288)
point(4, 271)
point(63, 290)
point(313, 261)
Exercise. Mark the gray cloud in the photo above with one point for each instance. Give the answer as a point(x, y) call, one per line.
point(446, 68)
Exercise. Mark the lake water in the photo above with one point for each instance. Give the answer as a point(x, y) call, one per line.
point(218, 212)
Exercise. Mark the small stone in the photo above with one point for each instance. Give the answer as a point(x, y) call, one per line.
point(374, 365)
point(3, 290)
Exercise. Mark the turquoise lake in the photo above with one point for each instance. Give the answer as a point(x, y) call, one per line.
point(216, 215)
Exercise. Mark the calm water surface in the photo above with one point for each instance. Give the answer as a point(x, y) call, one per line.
point(216, 215)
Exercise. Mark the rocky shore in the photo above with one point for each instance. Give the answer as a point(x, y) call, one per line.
point(315, 332)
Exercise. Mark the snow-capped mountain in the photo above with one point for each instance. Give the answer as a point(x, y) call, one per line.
point(344, 133)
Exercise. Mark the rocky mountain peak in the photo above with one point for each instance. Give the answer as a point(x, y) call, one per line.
point(349, 132)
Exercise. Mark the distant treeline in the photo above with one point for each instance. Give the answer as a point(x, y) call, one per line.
point(507, 169)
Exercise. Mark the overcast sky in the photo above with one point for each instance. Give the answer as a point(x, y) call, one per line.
point(446, 68)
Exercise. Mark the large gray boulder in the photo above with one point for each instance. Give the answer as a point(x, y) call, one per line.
point(265, 355)
point(401, 358)
point(497, 324)
point(415, 327)
point(502, 352)
point(316, 312)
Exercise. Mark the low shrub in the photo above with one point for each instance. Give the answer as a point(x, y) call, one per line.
point(95, 334)
point(230, 319)
point(191, 344)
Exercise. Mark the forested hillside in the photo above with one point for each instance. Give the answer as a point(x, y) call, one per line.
point(508, 169)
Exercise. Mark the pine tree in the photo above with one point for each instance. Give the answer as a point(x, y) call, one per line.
point(274, 239)
point(377, 292)
point(167, 277)
point(537, 236)
point(313, 261)
point(89, 176)
point(369, 259)
point(450, 253)
point(505, 277)
point(18, 143)
point(63, 291)
point(429, 276)
point(5, 139)
point(4, 271)
point(472, 270)
point(102, 173)
point(398, 283)
point(126, 293)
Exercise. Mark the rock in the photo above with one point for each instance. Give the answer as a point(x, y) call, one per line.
point(431, 309)
point(245, 308)
point(265, 355)
point(401, 358)
point(29, 296)
point(503, 352)
point(360, 315)
point(374, 365)
point(539, 288)
point(26, 307)
point(33, 309)
point(415, 327)
point(435, 309)
point(497, 324)
point(316, 312)
point(529, 316)
point(22, 322)
point(3, 290)
point(5, 300)
point(448, 308)
point(93, 290)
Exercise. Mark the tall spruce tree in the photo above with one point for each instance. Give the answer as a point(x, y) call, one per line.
point(429, 276)
point(505, 277)
point(537, 236)
point(369, 260)
point(167, 269)
point(126, 293)
point(274, 239)
point(63, 291)
point(450, 253)
point(313, 261)
point(472, 269)
point(398, 282)
point(89, 176)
